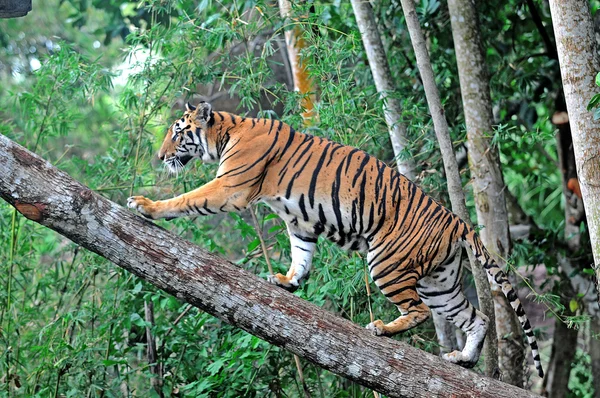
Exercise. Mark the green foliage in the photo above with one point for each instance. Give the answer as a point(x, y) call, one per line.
point(90, 86)
point(580, 382)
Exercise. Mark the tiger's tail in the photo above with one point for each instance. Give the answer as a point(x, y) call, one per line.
point(496, 275)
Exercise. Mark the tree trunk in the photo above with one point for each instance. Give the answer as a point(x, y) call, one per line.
point(457, 196)
point(155, 367)
point(303, 83)
point(564, 347)
point(50, 197)
point(488, 184)
point(564, 341)
point(576, 44)
point(382, 76)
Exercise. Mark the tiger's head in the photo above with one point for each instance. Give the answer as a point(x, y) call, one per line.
point(189, 138)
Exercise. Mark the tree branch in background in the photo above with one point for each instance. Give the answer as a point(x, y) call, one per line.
point(155, 368)
point(303, 83)
point(537, 20)
point(572, 262)
point(486, 173)
point(50, 197)
point(382, 76)
point(455, 190)
point(576, 47)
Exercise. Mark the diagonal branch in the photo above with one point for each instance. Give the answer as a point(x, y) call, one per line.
point(50, 197)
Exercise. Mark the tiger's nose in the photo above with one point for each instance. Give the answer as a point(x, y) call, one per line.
point(161, 156)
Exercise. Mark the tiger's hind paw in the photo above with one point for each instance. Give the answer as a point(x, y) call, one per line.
point(460, 359)
point(282, 281)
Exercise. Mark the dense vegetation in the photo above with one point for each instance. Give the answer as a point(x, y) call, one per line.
point(92, 85)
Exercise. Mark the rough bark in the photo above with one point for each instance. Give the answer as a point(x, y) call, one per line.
point(457, 196)
point(380, 69)
point(488, 184)
point(303, 83)
point(50, 197)
point(576, 45)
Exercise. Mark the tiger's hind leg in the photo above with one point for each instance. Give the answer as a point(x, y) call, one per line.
point(303, 244)
point(398, 284)
point(441, 290)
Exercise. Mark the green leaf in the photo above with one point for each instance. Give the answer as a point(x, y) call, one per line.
point(137, 288)
point(594, 102)
point(215, 367)
point(573, 305)
point(588, 271)
point(270, 216)
point(253, 245)
point(109, 362)
point(598, 79)
point(137, 320)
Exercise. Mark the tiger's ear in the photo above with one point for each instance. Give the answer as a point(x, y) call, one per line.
point(189, 107)
point(204, 112)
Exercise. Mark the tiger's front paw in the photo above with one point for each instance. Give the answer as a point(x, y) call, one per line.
point(377, 328)
point(143, 205)
point(284, 282)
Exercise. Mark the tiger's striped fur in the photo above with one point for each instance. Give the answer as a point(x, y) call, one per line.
point(317, 186)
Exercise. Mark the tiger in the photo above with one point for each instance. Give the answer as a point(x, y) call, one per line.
point(413, 244)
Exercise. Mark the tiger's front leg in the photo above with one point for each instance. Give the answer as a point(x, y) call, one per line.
point(303, 245)
point(211, 198)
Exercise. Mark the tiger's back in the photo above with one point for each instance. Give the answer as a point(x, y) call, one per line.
point(317, 186)
point(324, 187)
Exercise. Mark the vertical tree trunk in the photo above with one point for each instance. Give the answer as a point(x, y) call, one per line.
point(156, 381)
point(564, 346)
point(576, 45)
point(564, 339)
point(488, 184)
point(383, 82)
point(455, 190)
point(303, 83)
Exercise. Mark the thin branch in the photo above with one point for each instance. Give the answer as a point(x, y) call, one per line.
point(537, 20)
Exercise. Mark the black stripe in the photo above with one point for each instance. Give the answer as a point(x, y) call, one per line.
point(360, 169)
point(306, 238)
point(303, 207)
point(313, 181)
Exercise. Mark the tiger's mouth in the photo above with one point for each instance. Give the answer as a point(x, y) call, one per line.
point(177, 163)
